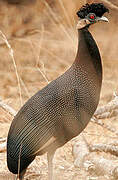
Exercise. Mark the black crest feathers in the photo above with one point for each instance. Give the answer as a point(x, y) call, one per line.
point(97, 8)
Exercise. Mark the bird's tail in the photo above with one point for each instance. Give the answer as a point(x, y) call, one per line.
point(17, 164)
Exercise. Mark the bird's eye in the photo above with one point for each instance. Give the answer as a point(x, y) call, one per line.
point(91, 17)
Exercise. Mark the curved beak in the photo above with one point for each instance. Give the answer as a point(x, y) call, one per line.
point(103, 18)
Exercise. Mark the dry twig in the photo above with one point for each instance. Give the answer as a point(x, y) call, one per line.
point(108, 148)
point(11, 52)
point(3, 139)
point(12, 112)
point(107, 110)
point(7, 108)
point(92, 162)
point(110, 4)
point(80, 150)
point(100, 166)
point(100, 123)
point(3, 147)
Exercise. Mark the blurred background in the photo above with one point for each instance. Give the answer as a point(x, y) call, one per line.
point(43, 37)
point(38, 42)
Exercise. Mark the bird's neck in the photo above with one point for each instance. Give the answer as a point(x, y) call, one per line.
point(88, 52)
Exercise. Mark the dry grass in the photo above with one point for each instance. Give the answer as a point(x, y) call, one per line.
point(42, 49)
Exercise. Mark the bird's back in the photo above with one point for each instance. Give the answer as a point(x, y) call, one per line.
point(60, 111)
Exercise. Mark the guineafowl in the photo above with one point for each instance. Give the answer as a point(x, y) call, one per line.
point(62, 109)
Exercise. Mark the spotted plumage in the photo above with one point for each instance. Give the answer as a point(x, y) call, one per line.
point(62, 109)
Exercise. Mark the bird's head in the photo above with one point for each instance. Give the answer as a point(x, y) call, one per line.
point(90, 14)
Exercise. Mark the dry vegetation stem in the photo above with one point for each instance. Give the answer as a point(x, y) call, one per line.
point(108, 148)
